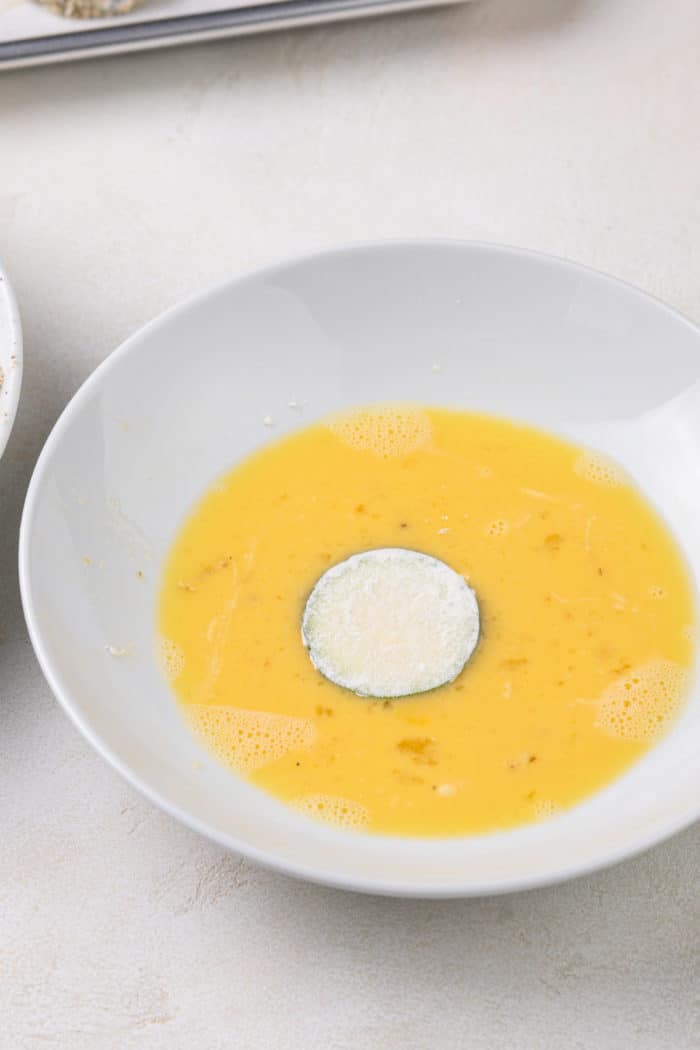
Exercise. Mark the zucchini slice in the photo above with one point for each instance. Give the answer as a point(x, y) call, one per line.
point(390, 623)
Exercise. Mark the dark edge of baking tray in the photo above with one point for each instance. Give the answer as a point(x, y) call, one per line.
point(184, 29)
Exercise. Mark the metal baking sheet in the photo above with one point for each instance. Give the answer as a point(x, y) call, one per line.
point(32, 35)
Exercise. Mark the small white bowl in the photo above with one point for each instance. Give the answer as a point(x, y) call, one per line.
point(10, 359)
point(510, 332)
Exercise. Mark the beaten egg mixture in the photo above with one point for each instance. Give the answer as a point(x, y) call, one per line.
point(585, 639)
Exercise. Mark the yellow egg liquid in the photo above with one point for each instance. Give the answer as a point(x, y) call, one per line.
point(587, 616)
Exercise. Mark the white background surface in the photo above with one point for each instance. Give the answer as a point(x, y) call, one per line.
point(565, 125)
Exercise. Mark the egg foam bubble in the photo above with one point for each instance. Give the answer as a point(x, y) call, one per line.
point(333, 809)
point(387, 431)
point(247, 740)
point(599, 470)
point(641, 704)
point(170, 658)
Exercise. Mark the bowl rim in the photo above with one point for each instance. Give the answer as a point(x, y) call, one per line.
point(12, 385)
point(643, 841)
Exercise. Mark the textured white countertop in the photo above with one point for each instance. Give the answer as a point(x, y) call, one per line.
point(565, 125)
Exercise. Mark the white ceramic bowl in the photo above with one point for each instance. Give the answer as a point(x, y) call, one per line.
point(514, 333)
point(10, 359)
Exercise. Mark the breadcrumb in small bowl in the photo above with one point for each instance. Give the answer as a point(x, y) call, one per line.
point(90, 8)
point(10, 359)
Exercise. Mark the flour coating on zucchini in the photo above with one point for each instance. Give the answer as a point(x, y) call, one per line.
point(390, 623)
